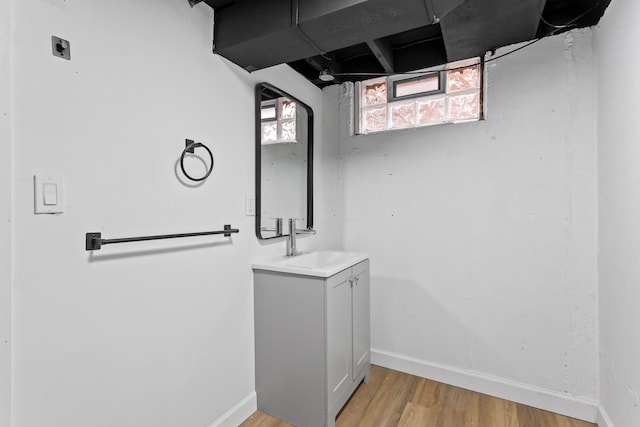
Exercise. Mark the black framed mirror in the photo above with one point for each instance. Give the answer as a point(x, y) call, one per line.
point(284, 162)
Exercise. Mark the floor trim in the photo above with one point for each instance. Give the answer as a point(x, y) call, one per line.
point(238, 413)
point(549, 400)
point(603, 418)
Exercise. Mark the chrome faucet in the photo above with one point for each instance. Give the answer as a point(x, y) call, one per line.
point(291, 239)
point(277, 229)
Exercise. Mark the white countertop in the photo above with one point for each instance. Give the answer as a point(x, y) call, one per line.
point(317, 264)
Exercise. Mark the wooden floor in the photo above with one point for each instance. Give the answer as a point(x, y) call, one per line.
point(393, 399)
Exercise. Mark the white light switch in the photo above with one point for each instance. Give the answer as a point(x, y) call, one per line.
point(250, 205)
point(48, 194)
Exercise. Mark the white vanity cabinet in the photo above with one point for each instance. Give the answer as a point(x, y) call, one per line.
point(312, 342)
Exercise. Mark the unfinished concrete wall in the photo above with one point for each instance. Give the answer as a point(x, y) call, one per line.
point(483, 235)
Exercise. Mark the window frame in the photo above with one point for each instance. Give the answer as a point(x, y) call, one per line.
point(392, 81)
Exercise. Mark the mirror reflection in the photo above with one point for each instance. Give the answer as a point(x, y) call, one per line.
point(284, 155)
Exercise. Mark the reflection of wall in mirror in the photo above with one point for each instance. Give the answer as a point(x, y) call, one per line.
point(284, 177)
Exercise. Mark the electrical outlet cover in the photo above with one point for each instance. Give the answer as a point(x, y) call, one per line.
point(60, 48)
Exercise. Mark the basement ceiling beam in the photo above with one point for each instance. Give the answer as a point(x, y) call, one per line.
point(383, 53)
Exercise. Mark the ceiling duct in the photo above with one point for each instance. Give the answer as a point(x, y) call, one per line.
point(335, 24)
point(478, 26)
point(259, 34)
point(216, 4)
point(256, 35)
point(360, 39)
point(440, 8)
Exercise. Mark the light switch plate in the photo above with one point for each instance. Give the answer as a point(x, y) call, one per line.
point(48, 194)
point(250, 205)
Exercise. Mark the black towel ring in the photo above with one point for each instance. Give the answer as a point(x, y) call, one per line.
point(190, 148)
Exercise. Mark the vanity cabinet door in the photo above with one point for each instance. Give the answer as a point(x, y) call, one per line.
point(312, 343)
point(338, 336)
point(360, 308)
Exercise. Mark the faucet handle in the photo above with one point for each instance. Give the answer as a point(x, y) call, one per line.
point(305, 231)
point(278, 226)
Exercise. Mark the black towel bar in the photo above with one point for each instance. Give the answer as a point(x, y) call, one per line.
point(94, 241)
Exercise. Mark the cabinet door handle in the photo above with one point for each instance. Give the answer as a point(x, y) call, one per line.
point(351, 282)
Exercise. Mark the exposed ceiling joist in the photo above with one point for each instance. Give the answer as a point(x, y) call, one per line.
point(383, 53)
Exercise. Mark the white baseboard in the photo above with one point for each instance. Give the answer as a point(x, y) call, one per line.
point(548, 400)
point(238, 412)
point(603, 418)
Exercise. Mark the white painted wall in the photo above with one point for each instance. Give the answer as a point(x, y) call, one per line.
point(5, 213)
point(619, 188)
point(483, 236)
point(153, 333)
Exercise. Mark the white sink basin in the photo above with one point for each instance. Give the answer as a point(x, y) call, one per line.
point(318, 263)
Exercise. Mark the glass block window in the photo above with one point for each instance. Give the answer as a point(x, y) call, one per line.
point(430, 111)
point(270, 132)
point(279, 122)
point(463, 107)
point(463, 78)
point(402, 115)
point(374, 92)
point(398, 102)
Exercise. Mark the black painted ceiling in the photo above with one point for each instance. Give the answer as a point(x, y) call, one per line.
point(358, 39)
